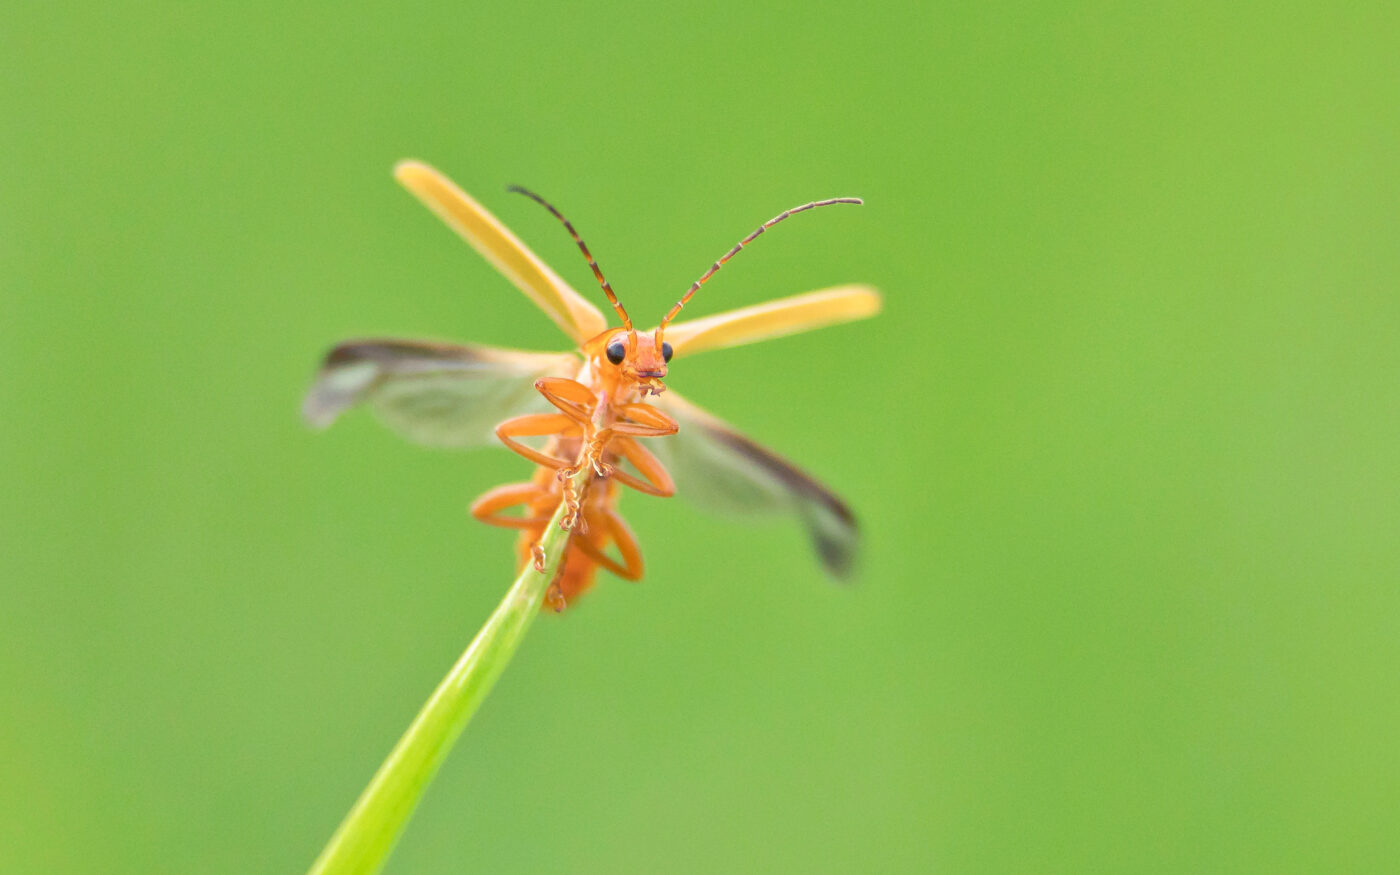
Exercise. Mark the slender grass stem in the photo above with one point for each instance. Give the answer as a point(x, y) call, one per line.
point(368, 833)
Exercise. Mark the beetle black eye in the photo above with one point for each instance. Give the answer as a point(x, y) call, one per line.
point(666, 350)
point(617, 351)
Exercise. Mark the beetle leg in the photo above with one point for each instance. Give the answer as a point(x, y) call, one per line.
point(627, 546)
point(573, 399)
point(573, 520)
point(577, 402)
point(487, 508)
point(615, 528)
point(643, 420)
point(534, 424)
point(655, 479)
point(555, 596)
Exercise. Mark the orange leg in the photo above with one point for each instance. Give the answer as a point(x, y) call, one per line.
point(554, 596)
point(575, 403)
point(617, 529)
point(657, 479)
point(487, 508)
point(643, 420)
point(535, 424)
point(570, 396)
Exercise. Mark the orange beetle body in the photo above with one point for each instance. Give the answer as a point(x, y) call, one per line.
point(602, 407)
point(600, 415)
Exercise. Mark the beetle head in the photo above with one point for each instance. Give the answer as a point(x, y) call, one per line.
point(632, 357)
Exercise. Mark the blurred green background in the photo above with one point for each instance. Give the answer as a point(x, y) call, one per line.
point(1124, 443)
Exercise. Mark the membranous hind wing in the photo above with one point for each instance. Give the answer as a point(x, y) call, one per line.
point(716, 467)
point(437, 394)
point(719, 469)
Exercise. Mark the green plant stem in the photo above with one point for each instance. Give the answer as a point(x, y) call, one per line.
point(364, 839)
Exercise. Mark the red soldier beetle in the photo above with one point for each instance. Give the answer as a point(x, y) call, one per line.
point(593, 407)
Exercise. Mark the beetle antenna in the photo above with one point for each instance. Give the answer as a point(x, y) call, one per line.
point(695, 286)
point(568, 226)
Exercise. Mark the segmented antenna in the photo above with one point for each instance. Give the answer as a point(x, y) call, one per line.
point(568, 226)
point(695, 287)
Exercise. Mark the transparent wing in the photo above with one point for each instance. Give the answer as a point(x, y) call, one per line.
point(438, 394)
point(579, 319)
point(719, 469)
point(774, 319)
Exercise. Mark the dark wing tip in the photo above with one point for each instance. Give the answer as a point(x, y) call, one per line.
point(834, 532)
point(766, 482)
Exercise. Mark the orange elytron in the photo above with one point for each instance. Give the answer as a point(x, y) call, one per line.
point(591, 412)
